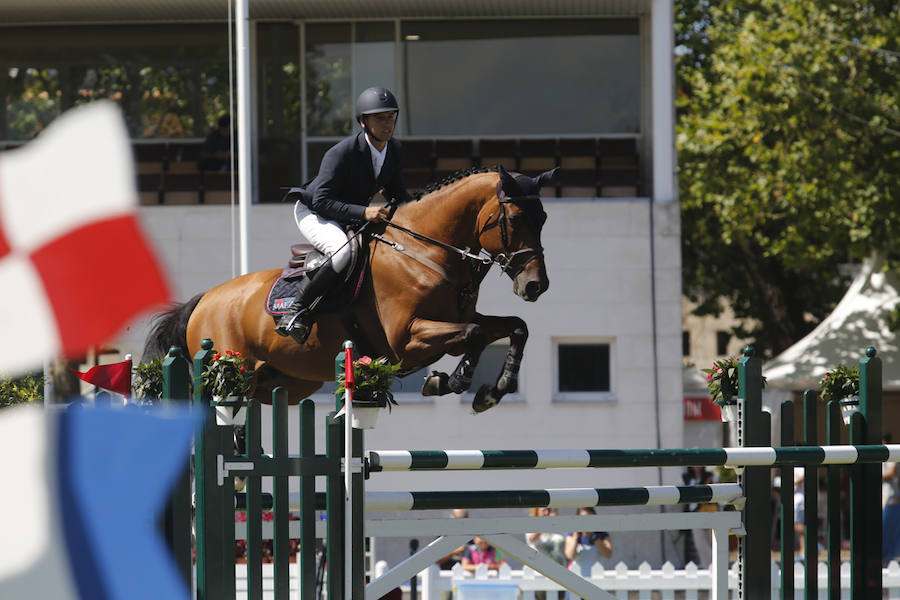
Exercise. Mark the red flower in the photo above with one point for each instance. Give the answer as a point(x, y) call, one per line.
point(229, 352)
point(709, 377)
point(241, 369)
point(216, 356)
point(365, 360)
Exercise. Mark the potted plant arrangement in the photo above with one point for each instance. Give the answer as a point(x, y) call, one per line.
point(229, 377)
point(147, 382)
point(372, 392)
point(722, 382)
point(842, 384)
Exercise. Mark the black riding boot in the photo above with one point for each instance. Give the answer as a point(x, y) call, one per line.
point(297, 321)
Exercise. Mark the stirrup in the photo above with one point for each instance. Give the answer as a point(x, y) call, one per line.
point(287, 323)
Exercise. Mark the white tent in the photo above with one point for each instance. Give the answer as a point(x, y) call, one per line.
point(857, 322)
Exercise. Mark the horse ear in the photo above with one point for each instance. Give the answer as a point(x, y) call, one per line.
point(505, 177)
point(548, 177)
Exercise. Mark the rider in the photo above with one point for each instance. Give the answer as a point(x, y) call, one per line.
point(352, 171)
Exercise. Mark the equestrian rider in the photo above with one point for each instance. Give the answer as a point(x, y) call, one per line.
point(352, 171)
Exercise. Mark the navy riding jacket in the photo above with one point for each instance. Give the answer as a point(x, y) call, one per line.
point(346, 181)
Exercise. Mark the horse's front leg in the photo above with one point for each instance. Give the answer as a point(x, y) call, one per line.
point(429, 338)
point(495, 328)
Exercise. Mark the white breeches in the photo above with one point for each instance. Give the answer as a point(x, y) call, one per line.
point(327, 236)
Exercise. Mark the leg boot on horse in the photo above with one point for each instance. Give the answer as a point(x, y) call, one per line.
point(297, 321)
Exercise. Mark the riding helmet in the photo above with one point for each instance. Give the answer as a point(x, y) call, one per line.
point(375, 100)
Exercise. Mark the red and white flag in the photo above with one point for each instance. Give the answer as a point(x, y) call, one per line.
point(75, 265)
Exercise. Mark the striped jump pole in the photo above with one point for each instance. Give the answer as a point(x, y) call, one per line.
point(725, 493)
point(474, 460)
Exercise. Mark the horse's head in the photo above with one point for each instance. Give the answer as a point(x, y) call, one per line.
point(510, 226)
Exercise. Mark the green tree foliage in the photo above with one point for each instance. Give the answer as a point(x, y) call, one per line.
point(788, 137)
point(21, 390)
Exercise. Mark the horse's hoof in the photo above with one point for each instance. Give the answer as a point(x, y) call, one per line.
point(436, 384)
point(484, 399)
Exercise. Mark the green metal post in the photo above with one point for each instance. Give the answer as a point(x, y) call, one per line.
point(177, 522)
point(787, 505)
point(206, 510)
point(833, 506)
point(857, 515)
point(307, 560)
point(334, 500)
point(870, 397)
point(281, 540)
point(254, 502)
point(757, 576)
point(810, 498)
point(358, 519)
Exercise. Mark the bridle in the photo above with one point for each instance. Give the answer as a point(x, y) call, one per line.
point(504, 259)
point(536, 217)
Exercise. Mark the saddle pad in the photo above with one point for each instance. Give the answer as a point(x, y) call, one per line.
point(284, 290)
point(282, 293)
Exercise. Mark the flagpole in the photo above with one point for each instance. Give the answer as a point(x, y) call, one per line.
point(242, 51)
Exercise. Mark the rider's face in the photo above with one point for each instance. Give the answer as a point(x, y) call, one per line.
point(382, 124)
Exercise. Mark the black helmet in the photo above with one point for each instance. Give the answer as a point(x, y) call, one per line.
point(375, 100)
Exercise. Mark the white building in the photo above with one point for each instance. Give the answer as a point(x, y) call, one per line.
point(584, 84)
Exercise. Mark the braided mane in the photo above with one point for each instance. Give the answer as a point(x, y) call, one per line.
point(461, 174)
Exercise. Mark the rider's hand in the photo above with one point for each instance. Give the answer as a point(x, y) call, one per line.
point(376, 214)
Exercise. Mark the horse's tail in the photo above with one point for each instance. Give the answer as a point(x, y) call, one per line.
point(170, 329)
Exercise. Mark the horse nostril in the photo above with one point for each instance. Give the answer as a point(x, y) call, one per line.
point(532, 289)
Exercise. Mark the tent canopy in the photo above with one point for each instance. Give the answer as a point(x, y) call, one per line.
point(857, 322)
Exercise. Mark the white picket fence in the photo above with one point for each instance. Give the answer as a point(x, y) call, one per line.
point(619, 581)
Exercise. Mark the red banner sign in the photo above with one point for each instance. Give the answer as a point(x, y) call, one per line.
point(701, 408)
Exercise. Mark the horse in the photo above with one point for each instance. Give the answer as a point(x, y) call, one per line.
point(416, 302)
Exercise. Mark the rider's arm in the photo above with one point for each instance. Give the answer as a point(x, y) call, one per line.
point(326, 200)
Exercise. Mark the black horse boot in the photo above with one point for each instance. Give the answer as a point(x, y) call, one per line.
point(297, 321)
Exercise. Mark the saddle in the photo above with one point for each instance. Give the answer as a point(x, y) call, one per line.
point(304, 261)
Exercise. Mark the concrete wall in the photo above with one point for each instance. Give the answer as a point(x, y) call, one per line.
point(599, 258)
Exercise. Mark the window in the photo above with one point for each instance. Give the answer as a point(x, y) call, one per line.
point(584, 371)
point(533, 77)
point(685, 343)
point(722, 339)
point(170, 82)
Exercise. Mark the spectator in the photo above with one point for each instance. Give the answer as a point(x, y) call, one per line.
point(216, 153)
point(551, 544)
point(585, 548)
point(701, 538)
point(888, 476)
point(482, 553)
point(447, 562)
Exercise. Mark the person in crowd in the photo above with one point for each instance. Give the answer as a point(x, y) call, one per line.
point(482, 553)
point(352, 172)
point(585, 548)
point(888, 475)
point(551, 544)
point(446, 563)
point(216, 153)
point(701, 539)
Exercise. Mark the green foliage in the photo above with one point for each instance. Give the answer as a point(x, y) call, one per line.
point(722, 380)
point(148, 381)
point(373, 378)
point(21, 390)
point(839, 383)
point(228, 374)
point(787, 133)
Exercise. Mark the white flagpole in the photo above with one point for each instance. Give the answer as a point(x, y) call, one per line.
point(348, 479)
point(243, 122)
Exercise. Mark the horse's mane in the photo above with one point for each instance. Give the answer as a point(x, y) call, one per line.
point(461, 174)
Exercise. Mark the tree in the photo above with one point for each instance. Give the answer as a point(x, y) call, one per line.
point(788, 137)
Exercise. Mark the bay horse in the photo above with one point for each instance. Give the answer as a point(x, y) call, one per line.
point(416, 303)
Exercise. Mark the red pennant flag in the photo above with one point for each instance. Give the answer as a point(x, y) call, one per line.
point(115, 377)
